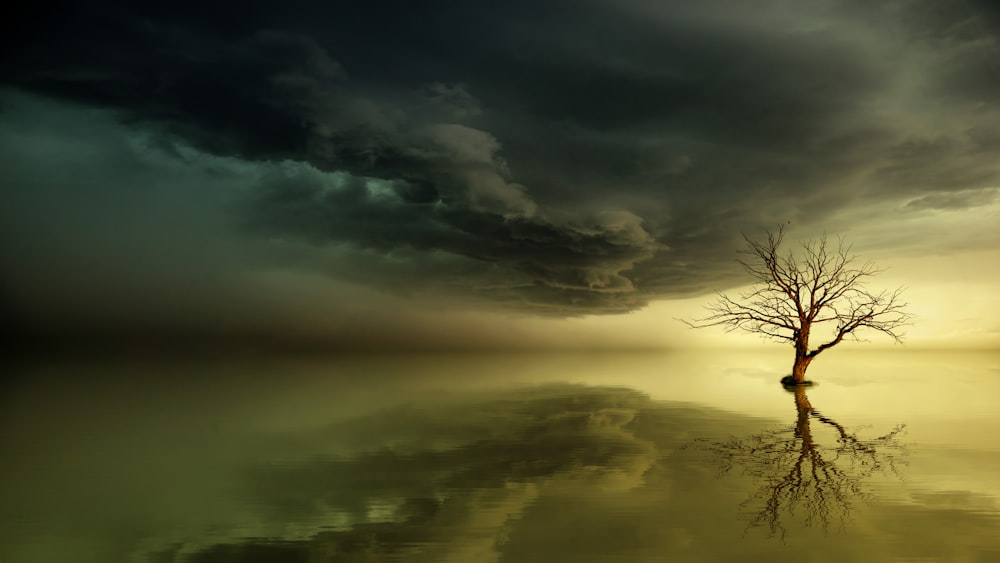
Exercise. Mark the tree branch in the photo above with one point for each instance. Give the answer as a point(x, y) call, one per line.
point(821, 284)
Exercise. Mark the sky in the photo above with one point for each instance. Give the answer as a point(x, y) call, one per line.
point(445, 175)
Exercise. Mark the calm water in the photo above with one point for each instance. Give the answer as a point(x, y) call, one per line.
point(577, 458)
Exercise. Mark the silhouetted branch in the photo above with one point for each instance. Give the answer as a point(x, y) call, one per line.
point(822, 284)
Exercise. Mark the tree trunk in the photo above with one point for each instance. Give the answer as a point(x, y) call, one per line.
point(799, 367)
point(802, 358)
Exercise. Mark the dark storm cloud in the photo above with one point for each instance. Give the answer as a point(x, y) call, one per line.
point(114, 237)
point(570, 265)
point(564, 157)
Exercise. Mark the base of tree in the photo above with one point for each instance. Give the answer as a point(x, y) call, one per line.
point(789, 381)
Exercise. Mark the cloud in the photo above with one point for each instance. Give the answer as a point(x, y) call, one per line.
point(955, 200)
point(513, 256)
point(448, 102)
point(615, 165)
point(131, 240)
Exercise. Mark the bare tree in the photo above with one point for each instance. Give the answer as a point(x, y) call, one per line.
point(801, 477)
point(820, 287)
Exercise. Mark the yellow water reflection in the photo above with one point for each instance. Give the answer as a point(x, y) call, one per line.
point(801, 476)
point(492, 458)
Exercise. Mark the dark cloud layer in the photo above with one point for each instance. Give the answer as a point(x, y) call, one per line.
point(563, 158)
point(531, 253)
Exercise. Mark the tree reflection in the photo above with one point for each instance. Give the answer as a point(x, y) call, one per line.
point(803, 478)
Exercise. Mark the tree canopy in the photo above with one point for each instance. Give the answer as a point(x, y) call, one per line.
point(822, 286)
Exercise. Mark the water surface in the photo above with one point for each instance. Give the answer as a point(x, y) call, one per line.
point(491, 458)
